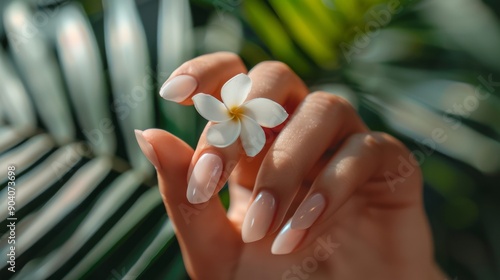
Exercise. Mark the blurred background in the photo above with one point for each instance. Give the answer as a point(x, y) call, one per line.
point(76, 77)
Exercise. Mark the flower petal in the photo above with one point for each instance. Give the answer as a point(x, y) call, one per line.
point(265, 112)
point(223, 134)
point(210, 108)
point(235, 91)
point(252, 136)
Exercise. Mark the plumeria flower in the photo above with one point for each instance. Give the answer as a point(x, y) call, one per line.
point(235, 118)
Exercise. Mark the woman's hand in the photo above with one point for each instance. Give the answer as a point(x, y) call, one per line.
point(325, 199)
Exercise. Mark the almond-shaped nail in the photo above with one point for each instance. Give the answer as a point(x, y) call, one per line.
point(309, 211)
point(287, 240)
point(258, 218)
point(204, 178)
point(179, 88)
point(147, 148)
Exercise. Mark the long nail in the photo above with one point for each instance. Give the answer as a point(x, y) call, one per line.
point(178, 88)
point(287, 240)
point(258, 218)
point(204, 178)
point(147, 148)
point(309, 211)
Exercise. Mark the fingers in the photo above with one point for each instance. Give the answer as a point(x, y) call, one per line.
point(362, 158)
point(199, 229)
point(372, 153)
point(319, 124)
point(271, 80)
point(206, 73)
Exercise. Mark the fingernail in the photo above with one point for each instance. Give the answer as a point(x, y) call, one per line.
point(309, 211)
point(178, 88)
point(147, 148)
point(204, 178)
point(258, 218)
point(287, 239)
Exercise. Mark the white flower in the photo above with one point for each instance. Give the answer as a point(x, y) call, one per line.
point(235, 117)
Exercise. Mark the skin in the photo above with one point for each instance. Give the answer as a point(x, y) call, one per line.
point(379, 232)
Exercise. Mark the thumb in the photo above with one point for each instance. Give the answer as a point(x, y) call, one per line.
point(200, 228)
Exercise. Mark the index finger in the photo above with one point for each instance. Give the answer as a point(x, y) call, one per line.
point(206, 73)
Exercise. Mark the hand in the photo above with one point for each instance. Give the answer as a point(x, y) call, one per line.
point(324, 167)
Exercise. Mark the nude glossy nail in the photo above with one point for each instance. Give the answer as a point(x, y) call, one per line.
point(258, 218)
point(287, 240)
point(179, 88)
point(309, 211)
point(204, 178)
point(147, 148)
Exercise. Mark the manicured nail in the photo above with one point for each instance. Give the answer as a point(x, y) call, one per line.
point(178, 88)
point(204, 178)
point(287, 239)
point(309, 211)
point(147, 148)
point(258, 218)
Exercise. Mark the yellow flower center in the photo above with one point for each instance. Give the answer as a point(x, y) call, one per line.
point(236, 112)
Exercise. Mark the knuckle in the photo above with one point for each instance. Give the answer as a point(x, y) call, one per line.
point(391, 142)
point(208, 60)
point(367, 141)
point(277, 68)
point(231, 56)
point(371, 142)
point(384, 137)
point(400, 155)
point(279, 162)
point(283, 160)
point(329, 104)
